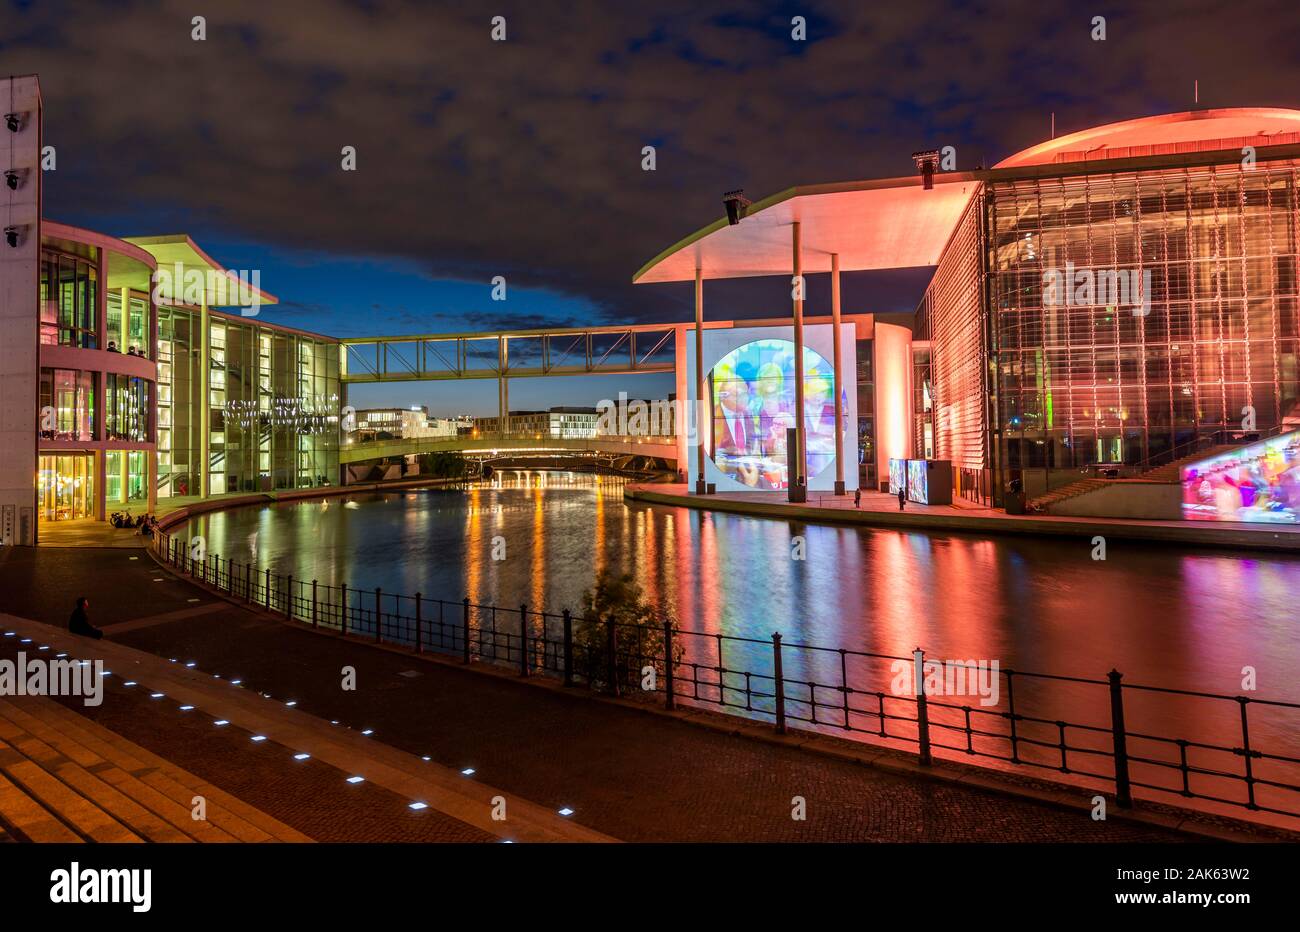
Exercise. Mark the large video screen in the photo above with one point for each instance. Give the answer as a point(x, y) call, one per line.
point(918, 481)
point(753, 403)
point(1257, 483)
point(897, 475)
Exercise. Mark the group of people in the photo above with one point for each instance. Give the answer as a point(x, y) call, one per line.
point(130, 350)
point(147, 525)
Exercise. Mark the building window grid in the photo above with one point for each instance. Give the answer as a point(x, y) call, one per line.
point(1220, 309)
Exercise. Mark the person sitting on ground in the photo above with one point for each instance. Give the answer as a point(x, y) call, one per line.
point(79, 622)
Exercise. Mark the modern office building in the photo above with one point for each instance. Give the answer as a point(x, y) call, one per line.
point(570, 423)
point(138, 386)
point(1110, 298)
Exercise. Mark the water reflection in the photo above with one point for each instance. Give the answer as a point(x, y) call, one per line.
point(1178, 617)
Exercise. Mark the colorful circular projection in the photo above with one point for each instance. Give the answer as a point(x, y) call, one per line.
point(753, 396)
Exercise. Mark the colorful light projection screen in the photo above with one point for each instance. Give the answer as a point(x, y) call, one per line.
point(918, 481)
point(751, 406)
point(1258, 483)
point(897, 475)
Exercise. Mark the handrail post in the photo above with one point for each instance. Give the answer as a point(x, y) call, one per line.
point(568, 648)
point(523, 639)
point(315, 607)
point(464, 629)
point(1247, 754)
point(670, 701)
point(343, 609)
point(613, 651)
point(419, 635)
point(288, 598)
point(268, 588)
point(1119, 738)
point(922, 710)
point(248, 582)
point(379, 613)
point(778, 677)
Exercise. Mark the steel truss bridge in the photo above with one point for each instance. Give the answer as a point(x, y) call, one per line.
point(617, 350)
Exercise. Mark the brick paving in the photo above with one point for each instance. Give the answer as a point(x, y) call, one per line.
point(626, 772)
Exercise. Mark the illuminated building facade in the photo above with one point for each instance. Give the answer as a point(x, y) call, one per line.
point(1105, 300)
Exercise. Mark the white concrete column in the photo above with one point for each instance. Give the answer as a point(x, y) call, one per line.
point(795, 458)
point(19, 315)
point(681, 416)
point(838, 382)
point(703, 409)
point(205, 399)
point(503, 389)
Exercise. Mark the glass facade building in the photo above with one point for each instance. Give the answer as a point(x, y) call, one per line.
point(270, 419)
point(1097, 381)
point(1115, 315)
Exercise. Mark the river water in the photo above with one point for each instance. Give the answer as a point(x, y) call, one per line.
point(1182, 618)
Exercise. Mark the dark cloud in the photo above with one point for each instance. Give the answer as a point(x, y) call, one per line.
point(522, 158)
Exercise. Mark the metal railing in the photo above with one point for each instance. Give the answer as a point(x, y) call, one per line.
point(1114, 738)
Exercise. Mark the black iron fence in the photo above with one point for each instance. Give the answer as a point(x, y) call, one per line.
point(1243, 754)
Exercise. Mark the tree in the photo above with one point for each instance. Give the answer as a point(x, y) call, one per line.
point(639, 635)
point(443, 465)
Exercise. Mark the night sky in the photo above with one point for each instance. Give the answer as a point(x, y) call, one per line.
point(522, 158)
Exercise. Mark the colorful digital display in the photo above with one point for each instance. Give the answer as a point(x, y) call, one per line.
point(1258, 483)
point(897, 475)
point(753, 399)
point(918, 481)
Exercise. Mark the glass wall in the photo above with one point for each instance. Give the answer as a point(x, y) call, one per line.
point(1094, 375)
point(126, 476)
point(65, 486)
point(272, 406)
point(67, 404)
point(127, 332)
point(126, 408)
point(866, 414)
point(179, 452)
point(69, 287)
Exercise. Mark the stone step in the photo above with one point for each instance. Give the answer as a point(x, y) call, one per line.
point(134, 778)
point(117, 793)
point(29, 819)
point(76, 811)
point(231, 818)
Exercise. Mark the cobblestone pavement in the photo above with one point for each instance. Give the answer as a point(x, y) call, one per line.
point(626, 772)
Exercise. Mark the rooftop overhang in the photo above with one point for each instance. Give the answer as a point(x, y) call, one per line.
point(888, 223)
point(128, 266)
point(177, 250)
point(1167, 133)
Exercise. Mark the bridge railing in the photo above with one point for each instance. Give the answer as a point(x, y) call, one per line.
point(1102, 732)
point(518, 435)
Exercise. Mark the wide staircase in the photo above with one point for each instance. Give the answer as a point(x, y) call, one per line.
point(1080, 487)
point(63, 778)
point(1172, 471)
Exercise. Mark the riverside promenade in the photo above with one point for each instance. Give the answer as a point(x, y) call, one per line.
point(881, 510)
point(623, 771)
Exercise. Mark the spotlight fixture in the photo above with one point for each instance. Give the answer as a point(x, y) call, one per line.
point(11, 179)
point(11, 236)
point(737, 206)
point(927, 163)
point(14, 121)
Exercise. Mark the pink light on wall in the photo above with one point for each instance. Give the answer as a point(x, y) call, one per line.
point(892, 351)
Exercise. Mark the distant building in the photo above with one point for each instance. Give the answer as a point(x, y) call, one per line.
point(405, 424)
point(565, 423)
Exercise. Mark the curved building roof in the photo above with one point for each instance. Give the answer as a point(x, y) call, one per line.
point(1191, 131)
point(893, 223)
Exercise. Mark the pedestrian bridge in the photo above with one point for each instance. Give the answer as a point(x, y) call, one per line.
point(664, 448)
